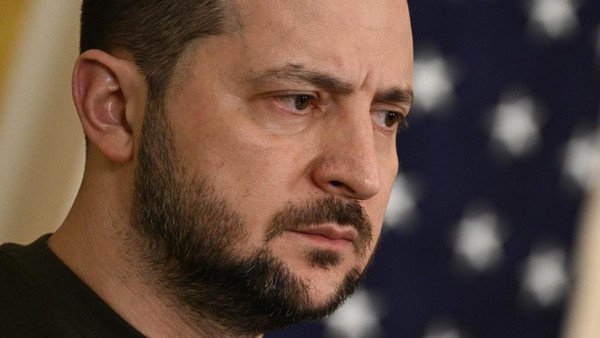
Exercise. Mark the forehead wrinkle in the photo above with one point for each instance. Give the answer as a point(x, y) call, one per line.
point(297, 73)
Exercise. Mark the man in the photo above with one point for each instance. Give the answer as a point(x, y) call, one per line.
point(240, 156)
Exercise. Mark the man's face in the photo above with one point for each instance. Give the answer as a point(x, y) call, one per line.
point(288, 124)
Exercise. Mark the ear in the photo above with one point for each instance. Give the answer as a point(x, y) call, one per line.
point(108, 94)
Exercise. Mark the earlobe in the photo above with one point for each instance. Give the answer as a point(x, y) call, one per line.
point(100, 83)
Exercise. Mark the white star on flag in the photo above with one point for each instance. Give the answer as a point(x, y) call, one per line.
point(402, 206)
point(478, 240)
point(442, 329)
point(515, 125)
point(545, 276)
point(434, 81)
point(357, 318)
point(552, 19)
point(582, 160)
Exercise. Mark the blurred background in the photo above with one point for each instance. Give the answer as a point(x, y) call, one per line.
point(493, 222)
point(41, 141)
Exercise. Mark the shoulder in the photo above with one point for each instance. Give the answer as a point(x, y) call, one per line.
point(24, 310)
point(41, 297)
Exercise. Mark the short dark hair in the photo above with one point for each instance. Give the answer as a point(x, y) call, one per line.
point(155, 32)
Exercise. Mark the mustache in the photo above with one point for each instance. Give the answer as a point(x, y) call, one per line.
point(324, 210)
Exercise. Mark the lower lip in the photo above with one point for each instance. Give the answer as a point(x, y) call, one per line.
point(327, 242)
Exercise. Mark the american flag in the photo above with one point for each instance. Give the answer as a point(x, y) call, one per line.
point(479, 235)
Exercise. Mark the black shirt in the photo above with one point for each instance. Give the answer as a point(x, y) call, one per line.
point(41, 297)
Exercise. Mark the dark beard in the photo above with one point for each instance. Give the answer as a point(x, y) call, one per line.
point(189, 235)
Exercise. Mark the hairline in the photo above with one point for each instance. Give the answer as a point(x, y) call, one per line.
point(184, 60)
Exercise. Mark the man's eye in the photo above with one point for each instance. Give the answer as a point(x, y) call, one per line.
point(301, 102)
point(388, 119)
point(296, 102)
point(391, 118)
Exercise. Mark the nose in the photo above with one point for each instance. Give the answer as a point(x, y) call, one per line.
point(348, 165)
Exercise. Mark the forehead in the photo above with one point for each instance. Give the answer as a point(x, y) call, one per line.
point(360, 39)
point(372, 13)
point(366, 36)
point(367, 44)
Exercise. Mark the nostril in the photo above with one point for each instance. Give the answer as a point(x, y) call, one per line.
point(342, 186)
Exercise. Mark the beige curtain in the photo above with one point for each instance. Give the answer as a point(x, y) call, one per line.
point(41, 143)
point(584, 315)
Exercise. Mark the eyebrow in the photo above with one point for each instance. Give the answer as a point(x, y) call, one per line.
point(297, 73)
point(396, 95)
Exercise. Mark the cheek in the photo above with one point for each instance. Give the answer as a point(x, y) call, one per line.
point(255, 171)
point(254, 176)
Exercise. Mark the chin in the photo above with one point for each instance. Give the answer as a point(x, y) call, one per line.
point(326, 282)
